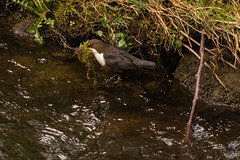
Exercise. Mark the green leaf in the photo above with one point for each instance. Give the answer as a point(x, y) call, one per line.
point(72, 23)
point(32, 30)
point(123, 35)
point(104, 21)
point(178, 30)
point(181, 38)
point(130, 18)
point(100, 33)
point(40, 40)
point(120, 35)
point(39, 25)
point(122, 44)
point(178, 43)
point(130, 44)
point(105, 10)
point(115, 8)
point(172, 39)
point(36, 35)
point(117, 35)
point(31, 3)
point(26, 4)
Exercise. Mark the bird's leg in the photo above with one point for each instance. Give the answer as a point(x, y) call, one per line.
point(118, 80)
point(110, 79)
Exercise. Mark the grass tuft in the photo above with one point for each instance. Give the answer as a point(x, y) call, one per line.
point(168, 24)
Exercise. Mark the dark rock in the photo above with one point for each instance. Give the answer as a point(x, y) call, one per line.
point(211, 91)
point(22, 28)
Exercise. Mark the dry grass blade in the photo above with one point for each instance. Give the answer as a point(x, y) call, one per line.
point(164, 23)
point(195, 53)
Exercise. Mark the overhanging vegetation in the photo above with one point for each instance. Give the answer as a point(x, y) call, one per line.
point(171, 24)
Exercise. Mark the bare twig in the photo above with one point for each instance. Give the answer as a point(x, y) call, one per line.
point(196, 95)
point(6, 6)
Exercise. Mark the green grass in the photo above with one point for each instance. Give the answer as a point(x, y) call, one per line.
point(168, 24)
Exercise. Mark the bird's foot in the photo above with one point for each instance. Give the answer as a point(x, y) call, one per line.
point(117, 81)
point(110, 79)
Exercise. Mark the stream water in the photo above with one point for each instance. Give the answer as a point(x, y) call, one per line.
point(49, 110)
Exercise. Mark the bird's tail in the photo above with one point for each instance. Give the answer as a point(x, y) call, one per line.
point(146, 64)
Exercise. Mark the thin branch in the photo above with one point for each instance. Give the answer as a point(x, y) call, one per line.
point(196, 95)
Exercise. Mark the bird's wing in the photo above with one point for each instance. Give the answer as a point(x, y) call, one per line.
point(119, 60)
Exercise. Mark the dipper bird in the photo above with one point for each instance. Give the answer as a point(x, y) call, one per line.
point(116, 59)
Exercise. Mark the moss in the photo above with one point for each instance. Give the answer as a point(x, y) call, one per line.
point(169, 24)
point(81, 18)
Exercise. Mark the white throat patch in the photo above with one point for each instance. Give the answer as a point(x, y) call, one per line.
point(99, 57)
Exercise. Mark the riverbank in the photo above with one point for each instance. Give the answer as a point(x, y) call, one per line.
point(50, 110)
point(157, 31)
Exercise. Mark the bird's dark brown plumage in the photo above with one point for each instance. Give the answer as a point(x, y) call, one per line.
point(119, 60)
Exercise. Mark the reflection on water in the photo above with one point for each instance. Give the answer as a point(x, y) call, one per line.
point(49, 110)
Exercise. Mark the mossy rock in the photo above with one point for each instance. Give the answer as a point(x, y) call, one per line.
point(211, 91)
point(23, 26)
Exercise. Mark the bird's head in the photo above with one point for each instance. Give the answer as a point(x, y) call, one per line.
point(96, 44)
